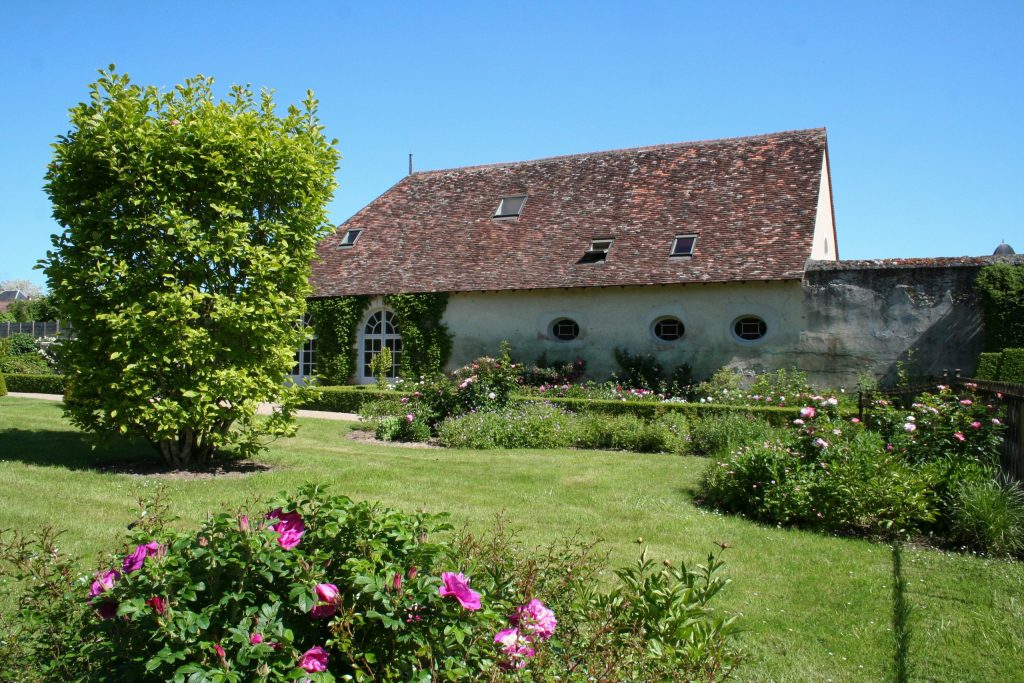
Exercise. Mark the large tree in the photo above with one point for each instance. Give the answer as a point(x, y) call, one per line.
point(189, 228)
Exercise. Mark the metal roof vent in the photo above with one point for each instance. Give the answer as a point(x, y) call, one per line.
point(1003, 249)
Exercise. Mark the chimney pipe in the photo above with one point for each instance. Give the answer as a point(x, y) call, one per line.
point(410, 163)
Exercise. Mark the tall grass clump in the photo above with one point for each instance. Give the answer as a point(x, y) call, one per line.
point(988, 515)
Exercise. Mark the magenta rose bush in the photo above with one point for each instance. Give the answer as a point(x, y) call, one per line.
point(320, 588)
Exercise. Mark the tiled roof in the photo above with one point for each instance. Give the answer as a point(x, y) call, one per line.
point(751, 201)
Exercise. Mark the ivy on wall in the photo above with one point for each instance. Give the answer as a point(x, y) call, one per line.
point(426, 341)
point(336, 322)
point(1002, 293)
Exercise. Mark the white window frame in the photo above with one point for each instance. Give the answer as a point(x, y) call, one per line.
point(675, 242)
point(393, 340)
point(304, 370)
point(498, 212)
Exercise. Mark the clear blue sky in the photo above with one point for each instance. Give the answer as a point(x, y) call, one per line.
point(922, 100)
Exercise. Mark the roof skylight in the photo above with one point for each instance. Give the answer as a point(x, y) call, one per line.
point(349, 239)
point(598, 251)
point(510, 207)
point(683, 245)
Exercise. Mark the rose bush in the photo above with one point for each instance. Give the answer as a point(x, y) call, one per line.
point(322, 588)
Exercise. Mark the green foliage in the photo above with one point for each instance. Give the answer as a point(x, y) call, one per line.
point(3, 386)
point(1011, 366)
point(18, 344)
point(239, 601)
point(641, 371)
point(36, 384)
point(344, 399)
point(1002, 294)
point(531, 425)
point(380, 367)
point(336, 321)
point(826, 473)
point(39, 309)
point(25, 364)
point(402, 428)
point(987, 514)
point(988, 366)
point(721, 433)
point(426, 341)
point(189, 225)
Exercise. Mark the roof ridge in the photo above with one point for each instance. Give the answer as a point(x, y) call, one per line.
point(621, 150)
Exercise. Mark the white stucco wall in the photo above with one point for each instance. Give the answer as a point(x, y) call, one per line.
point(823, 248)
point(623, 317)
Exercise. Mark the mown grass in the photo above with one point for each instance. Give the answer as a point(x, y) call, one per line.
point(814, 608)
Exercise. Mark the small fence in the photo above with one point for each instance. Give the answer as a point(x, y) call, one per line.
point(36, 329)
point(1011, 458)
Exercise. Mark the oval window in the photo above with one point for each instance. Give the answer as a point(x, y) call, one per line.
point(749, 328)
point(669, 329)
point(565, 329)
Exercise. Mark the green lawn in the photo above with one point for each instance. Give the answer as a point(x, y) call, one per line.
point(814, 608)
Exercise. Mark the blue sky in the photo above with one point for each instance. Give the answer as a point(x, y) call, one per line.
point(922, 100)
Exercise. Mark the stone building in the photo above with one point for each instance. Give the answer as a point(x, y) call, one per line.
point(715, 253)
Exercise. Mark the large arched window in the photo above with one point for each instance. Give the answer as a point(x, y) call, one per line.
point(380, 332)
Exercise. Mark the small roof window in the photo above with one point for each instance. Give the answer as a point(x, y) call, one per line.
point(683, 245)
point(349, 238)
point(510, 207)
point(598, 251)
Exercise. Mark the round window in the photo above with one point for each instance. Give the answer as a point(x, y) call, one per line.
point(669, 329)
point(749, 328)
point(565, 329)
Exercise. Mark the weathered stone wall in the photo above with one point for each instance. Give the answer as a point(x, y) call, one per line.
point(866, 316)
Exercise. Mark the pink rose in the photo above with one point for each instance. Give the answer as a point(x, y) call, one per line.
point(137, 558)
point(314, 659)
point(515, 647)
point(289, 527)
point(535, 619)
point(104, 582)
point(243, 523)
point(457, 585)
point(909, 427)
point(975, 425)
point(966, 402)
point(255, 639)
point(410, 417)
point(855, 420)
point(959, 436)
point(807, 412)
point(798, 422)
point(219, 650)
point(327, 594)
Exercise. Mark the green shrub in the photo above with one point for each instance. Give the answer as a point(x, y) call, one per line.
point(653, 409)
point(621, 432)
point(36, 384)
point(725, 431)
point(3, 386)
point(1011, 366)
point(528, 425)
point(20, 344)
point(988, 515)
point(25, 364)
point(1001, 286)
point(402, 428)
point(988, 366)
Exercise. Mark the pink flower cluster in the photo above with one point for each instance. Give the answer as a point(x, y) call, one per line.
point(289, 527)
point(530, 622)
point(133, 562)
point(457, 586)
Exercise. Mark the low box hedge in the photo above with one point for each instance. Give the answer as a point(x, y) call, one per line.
point(3, 386)
point(650, 409)
point(36, 384)
point(344, 399)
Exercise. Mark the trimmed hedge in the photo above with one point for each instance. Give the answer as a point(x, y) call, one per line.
point(650, 410)
point(349, 399)
point(1011, 366)
point(344, 399)
point(3, 386)
point(988, 366)
point(36, 384)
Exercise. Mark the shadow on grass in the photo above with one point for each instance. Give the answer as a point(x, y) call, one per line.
point(72, 451)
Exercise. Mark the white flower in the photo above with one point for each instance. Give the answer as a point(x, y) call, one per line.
point(491, 395)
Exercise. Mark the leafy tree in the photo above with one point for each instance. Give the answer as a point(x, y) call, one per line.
point(26, 287)
point(189, 228)
point(1002, 294)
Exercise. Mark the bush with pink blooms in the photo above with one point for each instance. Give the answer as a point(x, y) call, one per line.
point(319, 588)
point(898, 472)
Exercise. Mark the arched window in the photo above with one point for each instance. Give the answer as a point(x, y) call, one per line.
point(380, 332)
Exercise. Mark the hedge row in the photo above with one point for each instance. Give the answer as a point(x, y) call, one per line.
point(35, 384)
point(351, 399)
point(3, 386)
point(1005, 366)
